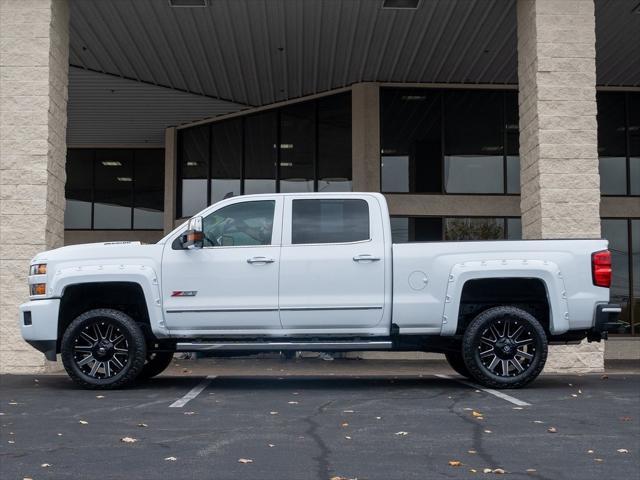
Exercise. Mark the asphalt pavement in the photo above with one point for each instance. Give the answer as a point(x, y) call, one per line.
point(320, 420)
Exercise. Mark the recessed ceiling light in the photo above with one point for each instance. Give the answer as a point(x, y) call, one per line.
point(125, 179)
point(111, 163)
point(192, 164)
point(401, 4)
point(189, 3)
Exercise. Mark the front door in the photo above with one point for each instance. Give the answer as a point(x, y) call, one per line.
point(332, 269)
point(231, 284)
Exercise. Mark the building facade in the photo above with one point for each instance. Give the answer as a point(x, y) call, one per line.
point(476, 119)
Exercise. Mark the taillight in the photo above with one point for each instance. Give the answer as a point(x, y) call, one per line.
point(601, 268)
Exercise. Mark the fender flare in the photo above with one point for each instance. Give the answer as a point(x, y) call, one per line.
point(142, 275)
point(547, 272)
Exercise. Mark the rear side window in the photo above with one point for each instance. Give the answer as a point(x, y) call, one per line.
point(329, 221)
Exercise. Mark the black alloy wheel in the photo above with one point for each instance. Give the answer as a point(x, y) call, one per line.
point(505, 347)
point(103, 348)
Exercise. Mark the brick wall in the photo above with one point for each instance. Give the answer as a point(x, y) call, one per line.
point(34, 46)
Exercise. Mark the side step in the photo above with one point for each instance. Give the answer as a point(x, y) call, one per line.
point(277, 345)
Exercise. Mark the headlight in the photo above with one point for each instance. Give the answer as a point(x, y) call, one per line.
point(38, 289)
point(38, 269)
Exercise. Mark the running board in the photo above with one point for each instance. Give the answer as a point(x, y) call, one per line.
point(265, 346)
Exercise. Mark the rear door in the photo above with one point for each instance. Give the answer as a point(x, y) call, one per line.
point(332, 269)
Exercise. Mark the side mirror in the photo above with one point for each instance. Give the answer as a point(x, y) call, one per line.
point(194, 236)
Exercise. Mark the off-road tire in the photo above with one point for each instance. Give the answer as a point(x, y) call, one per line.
point(456, 361)
point(136, 349)
point(472, 347)
point(157, 362)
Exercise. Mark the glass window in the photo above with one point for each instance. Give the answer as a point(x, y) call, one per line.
point(226, 159)
point(261, 153)
point(514, 229)
point(474, 143)
point(411, 140)
point(194, 169)
point(240, 224)
point(456, 229)
point(78, 191)
point(635, 249)
point(113, 190)
point(297, 148)
point(435, 229)
point(616, 231)
point(512, 138)
point(148, 186)
point(416, 229)
point(334, 143)
point(633, 107)
point(612, 149)
point(329, 221)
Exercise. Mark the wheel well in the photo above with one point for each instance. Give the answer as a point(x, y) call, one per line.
point(529, 294)
point(127, 297)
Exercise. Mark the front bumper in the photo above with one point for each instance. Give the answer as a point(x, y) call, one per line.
point(39, 325)
point(607, 320)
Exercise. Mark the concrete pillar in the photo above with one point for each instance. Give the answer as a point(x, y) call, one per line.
point(558, 135)
point(34, 62)
point(365, 132)
point(170, 177)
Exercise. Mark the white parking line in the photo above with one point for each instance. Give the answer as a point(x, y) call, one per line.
point(490, 391)
point(193, 393)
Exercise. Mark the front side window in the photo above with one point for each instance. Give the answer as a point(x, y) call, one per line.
point(240, 224)
point(329, 221)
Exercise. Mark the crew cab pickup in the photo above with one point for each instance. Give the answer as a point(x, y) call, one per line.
point(319, 272)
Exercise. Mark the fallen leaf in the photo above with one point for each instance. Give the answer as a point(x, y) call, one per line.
point(580, 391)
point(589, 452)
point(455, 463)
point(622, 450)
point(530, 470)
point(347, 411)
point(189, 413)
point(347, 437)
point(538, 421)
point(472, 452)
point(171, 459)
point(473, 470)
point(402, 433)
point(10, 441)
point(13, 403)
point(293, 403)
point(143, 425)
point(245, 460)
point(517, 408)
point(487, 470)
point(488, 431)
point(59, 434)
point(344, 424)
point(271, 445)
point(45, 465)
point(599, 460)
point(574, 395)
point(99, 396)
point(625, 419)
point(273, 413)
point(498, 471)
point(552, 430)
point(604, 377)
point(83, 422)
point(476, 414)
point(378, 418)
point(128, 440)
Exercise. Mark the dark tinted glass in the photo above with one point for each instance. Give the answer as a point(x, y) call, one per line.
point(633, 107)
point(329, 221)
point(261, 154)
point(334, 143)
point(226, 159)
point(635, 240)
point(612, 143)
point(514, 228)
point(194, 168)
point(616, 231)
point(78, 194)
point(474, 229)
point(411, 140)
point(416, 229)
point(297, 147)
point(512, 138)
point(113, 195)
point(240, 224)
point(474, 149)
point(148, 189)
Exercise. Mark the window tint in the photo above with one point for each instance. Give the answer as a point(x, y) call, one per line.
point(297, 147)
point(240, 224)
point(113, 194)
point(226, 159)
point(435, 229)
point(194, 169)
point(329, 221)
point(261, 153)
point(78, 189)
point(148, 189)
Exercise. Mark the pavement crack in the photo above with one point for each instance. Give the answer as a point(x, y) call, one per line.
point(322, 459)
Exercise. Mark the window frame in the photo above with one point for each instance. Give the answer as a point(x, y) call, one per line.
point(441, 92)
point(132, 207)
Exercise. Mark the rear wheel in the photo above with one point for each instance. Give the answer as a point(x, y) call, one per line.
point(504, 347)
point(157, 362)
point(103, 349)
point(457, 363)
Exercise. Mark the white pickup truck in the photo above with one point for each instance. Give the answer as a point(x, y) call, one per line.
point(313, 272)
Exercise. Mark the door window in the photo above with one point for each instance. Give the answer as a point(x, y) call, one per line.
point(329, 221)
point(240, 224)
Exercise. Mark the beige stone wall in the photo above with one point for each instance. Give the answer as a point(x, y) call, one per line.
point(558, 136)
point(34, 51)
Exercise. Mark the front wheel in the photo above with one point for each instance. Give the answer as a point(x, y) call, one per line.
point(103, 349)
point(505, 347)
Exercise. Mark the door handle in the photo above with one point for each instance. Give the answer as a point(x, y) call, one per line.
point(365, 257)
point(260, 260)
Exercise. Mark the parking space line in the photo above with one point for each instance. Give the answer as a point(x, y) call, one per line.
point(193, 393)
point(490, 391)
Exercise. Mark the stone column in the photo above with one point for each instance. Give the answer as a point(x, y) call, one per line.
point(34, 62)
point(365, 134)
point(170, 187)
point(558, 135)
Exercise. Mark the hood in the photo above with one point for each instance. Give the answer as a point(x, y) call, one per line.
point(89, 253)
